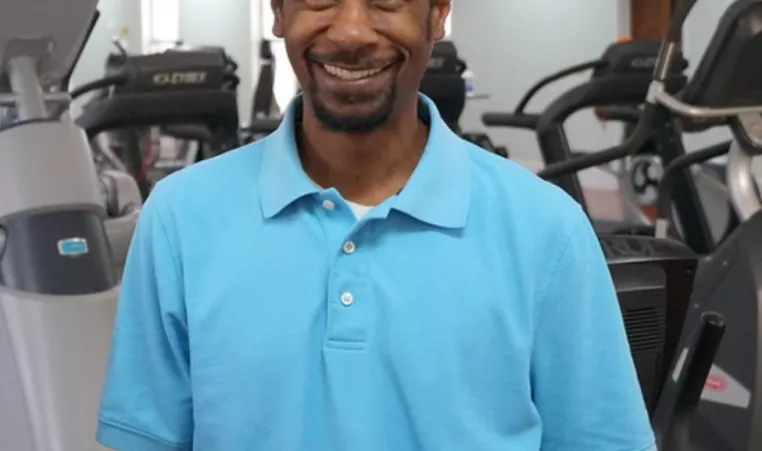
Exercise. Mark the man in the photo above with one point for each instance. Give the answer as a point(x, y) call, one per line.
point(364, 280)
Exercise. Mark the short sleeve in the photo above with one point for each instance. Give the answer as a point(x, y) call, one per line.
point(584, 382)
point(146, 401)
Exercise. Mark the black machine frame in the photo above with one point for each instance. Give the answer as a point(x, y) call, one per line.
point(730, 280)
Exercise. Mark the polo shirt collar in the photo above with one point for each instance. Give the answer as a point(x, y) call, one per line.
point(437, 193)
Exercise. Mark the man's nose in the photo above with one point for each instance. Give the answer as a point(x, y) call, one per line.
point(353, 27)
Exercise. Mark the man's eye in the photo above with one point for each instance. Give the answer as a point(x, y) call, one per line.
point(320, 3)
point(389, 5)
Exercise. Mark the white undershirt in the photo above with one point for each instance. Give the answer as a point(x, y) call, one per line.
point(359, 210)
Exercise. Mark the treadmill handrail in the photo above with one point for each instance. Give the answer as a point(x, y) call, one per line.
point(631, 145)
point(571, 70)
point(589, 94)
point(670, 176)
point(551, 135)
point(515, 120)
point(662, 69)
point(672, 424)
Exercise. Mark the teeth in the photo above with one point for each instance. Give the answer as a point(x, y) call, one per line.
point(351, 75)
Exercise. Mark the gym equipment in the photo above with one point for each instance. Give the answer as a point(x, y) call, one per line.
point(653, 279)
point(618, 85)
point(186, 93)
point(263, 104)
point(725, 87)
point(617, 88)
point(673, 424)
point(173, 87)
point(58, 290)
point(265, 113)
point(443, 83)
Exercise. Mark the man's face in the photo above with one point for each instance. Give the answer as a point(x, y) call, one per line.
point(358, 60)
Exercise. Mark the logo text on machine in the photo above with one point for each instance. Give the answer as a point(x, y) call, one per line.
point(645, 62)
point(180, 78)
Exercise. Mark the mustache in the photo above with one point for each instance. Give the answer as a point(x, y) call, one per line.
point(354, 59)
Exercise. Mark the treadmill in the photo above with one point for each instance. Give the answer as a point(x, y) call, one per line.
point(618, 85)
point(188, 94)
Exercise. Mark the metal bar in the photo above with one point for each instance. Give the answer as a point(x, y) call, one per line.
point(11, 99)
point(691, 216)
point(663, 97)
point(30, 102)
point(741, 183)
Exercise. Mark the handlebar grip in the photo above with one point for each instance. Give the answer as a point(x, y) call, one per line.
point(264, 125)
point(695, 370)
point(526, 121)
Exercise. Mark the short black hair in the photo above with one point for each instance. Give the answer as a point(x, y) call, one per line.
point(280, 2)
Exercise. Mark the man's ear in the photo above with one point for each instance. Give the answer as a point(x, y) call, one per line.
point(277, 7)
point(440, 9)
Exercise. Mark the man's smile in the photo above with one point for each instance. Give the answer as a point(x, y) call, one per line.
point(354, 80)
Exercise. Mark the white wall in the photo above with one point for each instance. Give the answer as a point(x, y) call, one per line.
point(512, 44)
point(115, 15)
point(226, 23)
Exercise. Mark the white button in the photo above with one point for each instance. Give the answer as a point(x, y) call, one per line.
point(349, 247)
point(347, 298)
point(328, 205)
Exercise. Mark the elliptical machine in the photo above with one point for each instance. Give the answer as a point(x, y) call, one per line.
point(726, 86)
point(58, 286)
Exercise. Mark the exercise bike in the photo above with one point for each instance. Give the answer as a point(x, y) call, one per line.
point(729, 280)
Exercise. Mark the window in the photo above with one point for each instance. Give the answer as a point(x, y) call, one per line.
point(268, 19)
point(161, 22)
point(285, 85)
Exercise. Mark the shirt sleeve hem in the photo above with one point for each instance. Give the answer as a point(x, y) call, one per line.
point(650, 447)
point(121, 438)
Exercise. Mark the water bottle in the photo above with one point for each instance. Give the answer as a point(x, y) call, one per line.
point(468, 76)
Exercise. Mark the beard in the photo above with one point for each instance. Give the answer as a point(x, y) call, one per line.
point(378, 113)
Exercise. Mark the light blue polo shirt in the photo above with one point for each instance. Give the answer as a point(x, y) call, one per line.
point(471, 312)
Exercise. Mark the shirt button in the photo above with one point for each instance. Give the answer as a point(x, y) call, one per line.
point(328, 205)
point(349, 247)
point(347, 299)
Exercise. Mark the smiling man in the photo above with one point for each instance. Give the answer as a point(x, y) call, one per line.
point(365, 280)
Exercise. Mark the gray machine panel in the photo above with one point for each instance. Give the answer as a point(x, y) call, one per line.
point(55, 349)
point(15, 427)
point(46, 165)
point(54, 30)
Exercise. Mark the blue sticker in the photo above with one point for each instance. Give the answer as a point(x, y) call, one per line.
point(71, 247)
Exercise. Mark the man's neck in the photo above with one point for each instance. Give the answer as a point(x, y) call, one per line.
point(365, 168)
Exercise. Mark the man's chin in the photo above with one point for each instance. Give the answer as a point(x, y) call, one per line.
point(354, 116)
point(355, 123)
